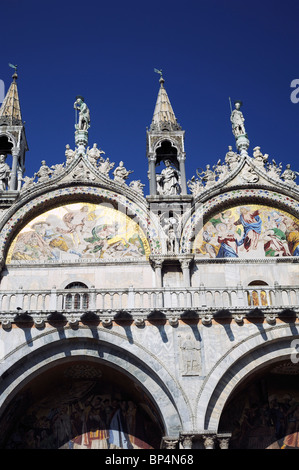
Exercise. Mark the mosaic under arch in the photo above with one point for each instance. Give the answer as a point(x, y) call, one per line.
point(248, 231)
point(77, 232)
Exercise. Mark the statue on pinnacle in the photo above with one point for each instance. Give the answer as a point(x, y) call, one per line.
point(84, 115)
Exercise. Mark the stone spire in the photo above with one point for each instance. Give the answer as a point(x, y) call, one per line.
point(165, 145)
point(164, 117)
point(10, 111)
point(12, 134)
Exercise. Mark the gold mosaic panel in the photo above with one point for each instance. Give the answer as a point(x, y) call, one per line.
point(79, 231)
point(251, 231)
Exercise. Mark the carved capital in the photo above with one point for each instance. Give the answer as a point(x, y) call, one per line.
point(157, 262)
point(209, 441)
point(170, 443)
point(186, 440)
point(223, 442)
point(185, 263)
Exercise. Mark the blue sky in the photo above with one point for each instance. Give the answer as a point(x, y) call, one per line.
point(209, 50)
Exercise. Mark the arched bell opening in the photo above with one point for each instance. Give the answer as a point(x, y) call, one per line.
point(6, 146)
point(263, 411)
point(166, 151)
point(81, 404)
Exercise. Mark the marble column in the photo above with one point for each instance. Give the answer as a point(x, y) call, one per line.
point(13, 177)
point(152, 175)
point(181, 160)
point(157, 263)
point(185, 265)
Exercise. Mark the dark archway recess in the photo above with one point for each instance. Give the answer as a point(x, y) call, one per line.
point(167, 152)
point(81, 405)
point(263, 412)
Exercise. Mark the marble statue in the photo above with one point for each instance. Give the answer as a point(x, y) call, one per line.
point(231, 157)
point(94, 154)
point(274, 170)
point(237, 120)
point(259, 158)
point(4, 173)
point(43, 173)
point(167, 182)
point(221, 170)
point(137, 186)
point(289, 175)
point(121, 174)
point(207, 175)
point(84, 115)
point(57, 169)
point(105, 166)
point(195, 185)
point(27, 182)
point(69, 154)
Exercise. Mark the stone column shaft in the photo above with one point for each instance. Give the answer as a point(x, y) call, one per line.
point(13, 177)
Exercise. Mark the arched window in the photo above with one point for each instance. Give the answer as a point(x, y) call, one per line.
point(76, 300)
point(258, 297)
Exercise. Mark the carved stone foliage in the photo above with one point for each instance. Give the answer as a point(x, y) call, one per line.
point(251, 170)
point(80, 164)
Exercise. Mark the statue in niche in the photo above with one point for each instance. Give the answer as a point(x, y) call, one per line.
point(4, 173)
point(121, 174)
point(69, 154)
point(43, 173)
point(170, 227)
point(190, 354)
point(237, 120)
point(167, 182)
point(171, 241)
point(289, 175)
point(94, 154)
point(84, 115)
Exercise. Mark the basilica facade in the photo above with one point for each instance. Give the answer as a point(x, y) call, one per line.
point(147, 321)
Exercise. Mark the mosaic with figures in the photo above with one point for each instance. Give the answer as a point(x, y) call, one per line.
point(80, 231)
point(251, 231)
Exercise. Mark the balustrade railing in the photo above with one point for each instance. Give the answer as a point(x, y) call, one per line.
point(146, 299)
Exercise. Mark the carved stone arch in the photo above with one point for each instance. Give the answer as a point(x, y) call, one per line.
point(240, 362)
point(113, 350)
point(75, 279)
point(167, 149)
point(11, 139)
point(28, 208)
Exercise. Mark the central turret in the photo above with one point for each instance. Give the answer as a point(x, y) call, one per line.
point(165, 146)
